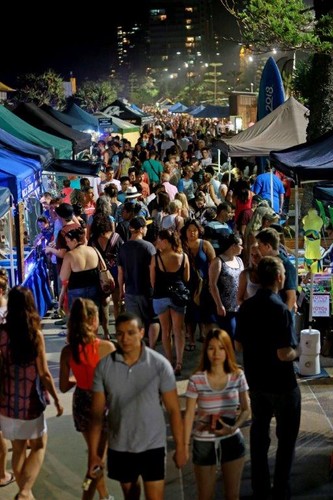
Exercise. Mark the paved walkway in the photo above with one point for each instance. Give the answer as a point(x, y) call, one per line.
point(66, 458)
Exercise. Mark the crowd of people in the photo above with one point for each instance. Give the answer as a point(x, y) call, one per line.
point(164, 222)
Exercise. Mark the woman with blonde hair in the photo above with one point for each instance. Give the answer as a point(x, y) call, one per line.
point(25, 380)
point(173, 220)
point(170, 266)
point(186, 210)
point(217, 405)
point(77, 365)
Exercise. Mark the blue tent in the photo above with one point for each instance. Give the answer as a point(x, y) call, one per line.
point(196, 109)
point(19, 174)
point(12, 143)
point(307, 161)
point(213, 111)
point(80, 114)
point(177, 108)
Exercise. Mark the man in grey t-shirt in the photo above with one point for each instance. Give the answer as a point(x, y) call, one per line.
point(132, 382)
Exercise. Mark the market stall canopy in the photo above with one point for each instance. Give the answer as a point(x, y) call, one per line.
point(22, 176)
point(23, 130)
point(195, 108)
point(12, 143)
point(178, 108)
point(123, 110)
point(5, 88)
point(212, 111)
point(308, 161)
point(34, 115)
point(118, 125)
point(67, 119)
point(284, 127)
point(77, 167)
point(82, 115)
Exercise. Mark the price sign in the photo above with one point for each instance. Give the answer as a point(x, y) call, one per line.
point(321, 305)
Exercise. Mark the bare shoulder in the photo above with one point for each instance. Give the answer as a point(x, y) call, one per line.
point(106, 347)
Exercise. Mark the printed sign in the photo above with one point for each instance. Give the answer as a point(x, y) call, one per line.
point(321, 305)
point(105, 123)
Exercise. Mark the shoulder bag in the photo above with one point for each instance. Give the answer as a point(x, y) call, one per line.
point(106, 280)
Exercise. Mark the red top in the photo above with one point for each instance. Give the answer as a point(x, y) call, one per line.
point(84, 371)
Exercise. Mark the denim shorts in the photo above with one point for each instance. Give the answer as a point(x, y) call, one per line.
point(163, 304)
point(219, 452)
point(87, 292)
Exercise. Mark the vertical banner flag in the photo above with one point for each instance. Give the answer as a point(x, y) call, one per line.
point(271, 95)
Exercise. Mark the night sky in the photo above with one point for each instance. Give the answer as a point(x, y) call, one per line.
point(63, 38)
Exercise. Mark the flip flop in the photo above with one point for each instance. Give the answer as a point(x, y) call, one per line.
point(10, 480)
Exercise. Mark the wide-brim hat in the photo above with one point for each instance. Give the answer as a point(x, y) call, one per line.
point(132, 192)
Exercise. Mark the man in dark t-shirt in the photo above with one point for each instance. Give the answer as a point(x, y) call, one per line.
point(134, 277)
point(264, 333)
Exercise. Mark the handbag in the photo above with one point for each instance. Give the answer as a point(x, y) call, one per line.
point(106, 280)
point(178, 292)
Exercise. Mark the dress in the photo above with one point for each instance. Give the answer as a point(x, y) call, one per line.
point(202, 312)
point(21, 408)
point(84, 374)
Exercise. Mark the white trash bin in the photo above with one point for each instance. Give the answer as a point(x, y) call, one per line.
point(309, 361)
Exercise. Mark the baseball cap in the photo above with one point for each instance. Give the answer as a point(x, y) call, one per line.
point(138, 222)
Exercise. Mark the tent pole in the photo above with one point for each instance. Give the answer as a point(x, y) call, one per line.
point(296, 225)
point(11, 237)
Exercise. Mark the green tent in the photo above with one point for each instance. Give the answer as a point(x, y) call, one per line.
point(14, 125)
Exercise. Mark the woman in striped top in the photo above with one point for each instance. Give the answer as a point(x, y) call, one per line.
point(217, 405)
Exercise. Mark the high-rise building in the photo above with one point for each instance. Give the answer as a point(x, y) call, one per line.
point(179, 32)
point(168, 34)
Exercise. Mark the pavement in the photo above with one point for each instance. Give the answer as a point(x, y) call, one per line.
point(66, 457)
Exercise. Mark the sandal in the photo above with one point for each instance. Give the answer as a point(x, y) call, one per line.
point(178, 370)
point(8, 481)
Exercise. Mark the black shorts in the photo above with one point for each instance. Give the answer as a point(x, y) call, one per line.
point(205, 452)
point(126, 467)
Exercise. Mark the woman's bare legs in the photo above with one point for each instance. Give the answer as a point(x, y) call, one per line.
point(99, 483)
point(26, 467)
point(116, 302)
point(177, 320)
point(232, 475)
point(165, 322)
point(4, 475)
point(205, 476)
